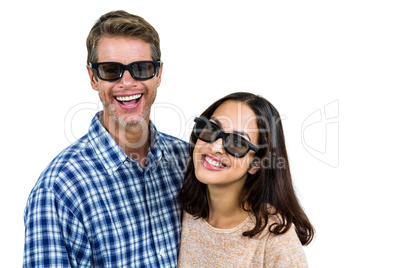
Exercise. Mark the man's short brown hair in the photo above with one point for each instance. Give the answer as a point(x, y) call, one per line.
point(122, 24)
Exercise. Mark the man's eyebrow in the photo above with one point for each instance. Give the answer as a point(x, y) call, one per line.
point(242, 133)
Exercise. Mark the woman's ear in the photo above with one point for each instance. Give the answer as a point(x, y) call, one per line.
point(255, 166)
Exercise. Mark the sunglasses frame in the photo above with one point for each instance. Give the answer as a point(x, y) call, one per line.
point(223, 135)
point(124, 67)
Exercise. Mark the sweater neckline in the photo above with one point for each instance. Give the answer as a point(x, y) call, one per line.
point(230, 230)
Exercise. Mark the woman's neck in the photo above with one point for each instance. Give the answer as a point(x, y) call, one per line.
point(225, 210)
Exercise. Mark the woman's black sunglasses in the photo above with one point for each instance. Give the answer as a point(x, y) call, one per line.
point(234, 144)
point(112, 71)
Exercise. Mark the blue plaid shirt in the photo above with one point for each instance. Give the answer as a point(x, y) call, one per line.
point(95, 207)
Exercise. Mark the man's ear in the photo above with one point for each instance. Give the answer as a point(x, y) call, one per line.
point(159, 75)
point(93, 78)
point(255, 166)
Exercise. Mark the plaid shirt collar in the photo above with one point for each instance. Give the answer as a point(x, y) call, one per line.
point(110, 153)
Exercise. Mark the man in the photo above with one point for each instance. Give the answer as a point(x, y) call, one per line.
point(109, 199)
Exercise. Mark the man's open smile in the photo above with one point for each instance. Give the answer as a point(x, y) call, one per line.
point(130, 101)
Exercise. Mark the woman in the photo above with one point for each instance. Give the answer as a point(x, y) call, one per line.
point(240, 208)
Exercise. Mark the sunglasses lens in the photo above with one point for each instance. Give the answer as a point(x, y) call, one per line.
point(236, 145)
point(205, 131)
point(109, 71)
point(143, 70)
point(209, 132)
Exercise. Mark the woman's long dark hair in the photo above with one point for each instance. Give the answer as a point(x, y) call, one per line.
point(266, 193)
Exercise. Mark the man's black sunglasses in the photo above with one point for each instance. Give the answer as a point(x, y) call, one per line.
point(112, 71)
point(234, 144)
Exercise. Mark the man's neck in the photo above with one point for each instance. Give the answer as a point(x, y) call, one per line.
point(134, 140)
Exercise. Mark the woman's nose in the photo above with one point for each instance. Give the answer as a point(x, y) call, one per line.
point(217, 146)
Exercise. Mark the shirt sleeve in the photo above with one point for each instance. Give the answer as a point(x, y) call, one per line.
point(54, 237)
point(285, 251)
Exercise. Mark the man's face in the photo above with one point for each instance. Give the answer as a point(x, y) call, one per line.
point(127, 100)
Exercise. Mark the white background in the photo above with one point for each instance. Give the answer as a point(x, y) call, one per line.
point(341, 60)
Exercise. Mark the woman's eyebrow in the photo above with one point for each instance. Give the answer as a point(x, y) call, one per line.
point(242, 133)
point(217, 121)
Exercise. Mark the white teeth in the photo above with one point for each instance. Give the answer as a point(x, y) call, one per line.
point(213, 162)
point(129, 98)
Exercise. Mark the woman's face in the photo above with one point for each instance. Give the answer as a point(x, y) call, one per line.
point(212, 164)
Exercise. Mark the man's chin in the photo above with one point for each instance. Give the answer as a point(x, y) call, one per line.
point(130, 121)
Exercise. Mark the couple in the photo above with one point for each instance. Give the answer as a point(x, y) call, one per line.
point(124, 196)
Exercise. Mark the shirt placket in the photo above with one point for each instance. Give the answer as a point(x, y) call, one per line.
point(155, 207)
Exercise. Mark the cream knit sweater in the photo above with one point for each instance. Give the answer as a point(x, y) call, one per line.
point(203, 245)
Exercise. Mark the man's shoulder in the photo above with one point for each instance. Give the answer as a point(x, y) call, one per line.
point(174, 149)
point(66, 166)
point(173, 142)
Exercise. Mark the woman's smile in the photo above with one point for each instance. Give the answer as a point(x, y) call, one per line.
point(212, 163)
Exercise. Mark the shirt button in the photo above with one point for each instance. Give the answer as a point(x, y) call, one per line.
point(162, 253)
point(154, 214)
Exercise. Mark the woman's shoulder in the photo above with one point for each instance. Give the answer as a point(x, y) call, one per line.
point(190, 223)
point(284, 250)
point(187, 217)
point(283, 239)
